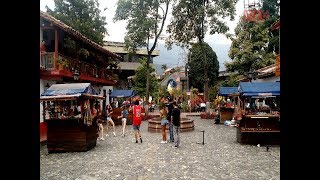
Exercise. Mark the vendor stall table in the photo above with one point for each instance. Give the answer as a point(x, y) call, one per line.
point(67, 112)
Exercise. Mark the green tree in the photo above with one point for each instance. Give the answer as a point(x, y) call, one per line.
point(140, 80)
point(191, 21)
point(231, 81)
point(248, 48)
point(82, 15)
point(164, 67)
point(145, 22)
point(196, 78)
point(253, 45)
point(272, 8)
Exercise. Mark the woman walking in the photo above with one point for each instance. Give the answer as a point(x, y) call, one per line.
point(109, 120)
point(164, 122)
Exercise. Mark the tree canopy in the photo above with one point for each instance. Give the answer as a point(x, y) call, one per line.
point(140, 80)
point(192, 19)
point(164, 67)
point(82, 15)
point(145, 22)
point(254, 45)
point(196, 77)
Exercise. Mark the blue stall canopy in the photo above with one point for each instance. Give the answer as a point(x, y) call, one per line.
point(69, 91)
point(122, 93)
point(226, 91)
point(259, 88)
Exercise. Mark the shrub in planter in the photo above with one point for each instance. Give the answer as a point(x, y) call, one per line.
point(207, 115)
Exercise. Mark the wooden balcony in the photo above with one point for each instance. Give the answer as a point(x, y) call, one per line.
point(64, 68)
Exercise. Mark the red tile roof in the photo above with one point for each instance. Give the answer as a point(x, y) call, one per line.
point(77, 34)
point(275, 25)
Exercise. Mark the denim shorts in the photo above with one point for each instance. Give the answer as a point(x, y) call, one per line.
point(136, 128)
point(164, 122)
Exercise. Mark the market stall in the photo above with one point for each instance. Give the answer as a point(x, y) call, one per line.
point(227, 104)
point(127, 94)
point(260, 107)
point(68, 113)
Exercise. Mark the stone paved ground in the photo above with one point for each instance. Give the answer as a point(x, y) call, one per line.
point(221, 157)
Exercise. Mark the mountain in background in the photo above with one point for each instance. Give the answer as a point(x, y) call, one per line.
point(177, 56)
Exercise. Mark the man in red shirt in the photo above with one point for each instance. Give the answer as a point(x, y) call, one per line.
point(136, 122)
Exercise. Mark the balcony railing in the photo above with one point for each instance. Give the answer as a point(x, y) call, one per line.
point(70, 64)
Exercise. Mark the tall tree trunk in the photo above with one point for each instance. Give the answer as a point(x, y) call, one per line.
point(205, 75)
point(148, 84)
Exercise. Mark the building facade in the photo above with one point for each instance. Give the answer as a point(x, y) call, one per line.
point(129, 63)
point(67, 56)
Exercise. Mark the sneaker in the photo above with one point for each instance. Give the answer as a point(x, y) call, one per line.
point(162, 142)
point(141, 140)
point(175, 146)
point(107, 135)
point(114, 133)
point(102, 139)
point(122, 135)
point(165, 142)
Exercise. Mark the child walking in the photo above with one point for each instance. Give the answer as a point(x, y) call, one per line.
point(124, 115)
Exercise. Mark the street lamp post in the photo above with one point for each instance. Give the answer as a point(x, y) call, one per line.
point(46, 87)
point(76, 75)
point(251, 75)
point(187, 69)
point(109, 92)
point(129, 83)
point(104, 101)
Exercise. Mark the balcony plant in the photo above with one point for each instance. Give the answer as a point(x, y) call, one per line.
point(62, 63)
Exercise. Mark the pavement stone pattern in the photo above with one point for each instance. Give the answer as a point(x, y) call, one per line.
point(221, 157)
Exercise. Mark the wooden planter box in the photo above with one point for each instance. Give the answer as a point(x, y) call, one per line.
point(226, 113)
point(259, 129)
point(70, 135)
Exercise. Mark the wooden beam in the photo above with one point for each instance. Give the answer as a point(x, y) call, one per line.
point(47, 27)
point(55, 47)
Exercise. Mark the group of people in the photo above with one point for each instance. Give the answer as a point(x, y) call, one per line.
point(136, 121)
point(170, 115)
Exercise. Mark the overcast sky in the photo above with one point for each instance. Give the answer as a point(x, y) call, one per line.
point(117, 30)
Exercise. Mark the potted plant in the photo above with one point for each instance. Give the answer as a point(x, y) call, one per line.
point(62, 63)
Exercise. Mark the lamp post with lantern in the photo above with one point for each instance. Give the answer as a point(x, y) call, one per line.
point(187, 70)
point(76, 75)
point(252, 75)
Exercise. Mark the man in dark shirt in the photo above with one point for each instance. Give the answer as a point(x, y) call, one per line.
point(169, 110)
point(176, 118)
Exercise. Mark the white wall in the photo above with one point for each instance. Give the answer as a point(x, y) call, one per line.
point(41, 35)
point(41, 91)
point(107, 91)
point(269, 79)
point(43, 83)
